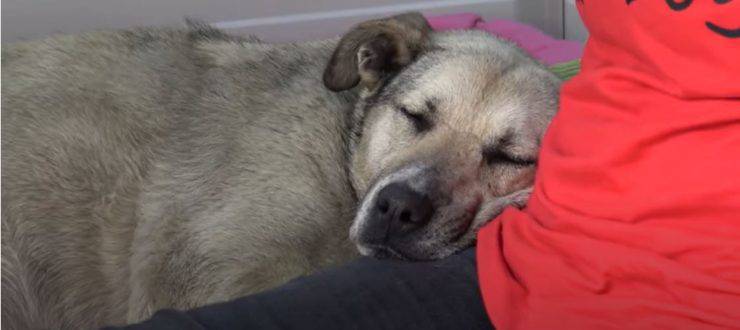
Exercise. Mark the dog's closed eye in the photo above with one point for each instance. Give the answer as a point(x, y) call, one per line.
point(496, 156)
point(420, 121)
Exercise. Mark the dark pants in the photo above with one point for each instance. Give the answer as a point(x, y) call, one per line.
point(364, 294)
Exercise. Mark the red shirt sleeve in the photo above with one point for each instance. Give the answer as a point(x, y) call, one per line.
point(634, 222)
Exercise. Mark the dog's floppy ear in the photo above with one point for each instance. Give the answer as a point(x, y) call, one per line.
point(374, 49)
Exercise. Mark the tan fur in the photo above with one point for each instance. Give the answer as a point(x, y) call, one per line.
point(156, 168)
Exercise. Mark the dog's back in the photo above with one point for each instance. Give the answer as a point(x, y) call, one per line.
point(97, 131)
point(82, 117)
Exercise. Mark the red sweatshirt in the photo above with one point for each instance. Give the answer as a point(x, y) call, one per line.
point(634, 222)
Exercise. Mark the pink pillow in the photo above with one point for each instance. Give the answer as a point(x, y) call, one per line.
point(538, 44)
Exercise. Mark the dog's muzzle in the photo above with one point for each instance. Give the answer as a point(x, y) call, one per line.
point(398, 210)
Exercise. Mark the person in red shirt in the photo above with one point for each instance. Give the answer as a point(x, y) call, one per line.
point(634, 220)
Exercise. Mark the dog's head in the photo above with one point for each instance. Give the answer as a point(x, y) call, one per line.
point(447, 132)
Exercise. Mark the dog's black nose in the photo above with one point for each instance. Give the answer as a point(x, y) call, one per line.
point(401, 208)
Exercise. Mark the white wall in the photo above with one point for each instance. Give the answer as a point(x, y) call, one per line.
point(333, 21)
point(278, 20)
point(573, 28)
point(546, 15)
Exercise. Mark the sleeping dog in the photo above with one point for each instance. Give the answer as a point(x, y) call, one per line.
point(155, 168)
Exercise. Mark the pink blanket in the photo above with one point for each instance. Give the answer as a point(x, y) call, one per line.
point(539, 45)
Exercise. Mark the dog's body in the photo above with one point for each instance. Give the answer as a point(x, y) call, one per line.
point(161, 168)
